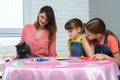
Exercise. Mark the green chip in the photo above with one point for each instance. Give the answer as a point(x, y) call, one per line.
point(20, 64)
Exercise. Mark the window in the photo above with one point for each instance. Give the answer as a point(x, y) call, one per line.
point(11, 17)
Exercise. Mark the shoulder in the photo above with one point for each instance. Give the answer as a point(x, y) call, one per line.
point(29, 26)
point(113, 43)
point(111, 38)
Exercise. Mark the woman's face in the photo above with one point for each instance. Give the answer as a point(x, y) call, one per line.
point(43, 20)
point(89, 35)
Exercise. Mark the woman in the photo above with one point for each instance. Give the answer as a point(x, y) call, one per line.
point(41, 36)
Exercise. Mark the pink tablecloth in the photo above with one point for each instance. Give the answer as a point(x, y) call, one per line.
point(73, 69)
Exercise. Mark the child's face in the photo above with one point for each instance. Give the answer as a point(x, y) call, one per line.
point(74, 33)
point(89, 35)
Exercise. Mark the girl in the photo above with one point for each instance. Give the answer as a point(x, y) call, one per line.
point(41, 36)
point(106, 44)
point(74, 28)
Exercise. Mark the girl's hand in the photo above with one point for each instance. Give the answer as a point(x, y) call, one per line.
point(100, 56)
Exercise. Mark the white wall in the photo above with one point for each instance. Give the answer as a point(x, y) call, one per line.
point(109, 11)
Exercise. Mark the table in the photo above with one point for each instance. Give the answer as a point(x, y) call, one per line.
point(3, 59)
point(73, 69)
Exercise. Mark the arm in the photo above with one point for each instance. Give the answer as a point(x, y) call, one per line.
point(89, 48)
point(113, 45)
point(52, 46)
point(116, 57)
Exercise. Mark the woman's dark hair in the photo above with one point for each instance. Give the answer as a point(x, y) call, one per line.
point(51, 26)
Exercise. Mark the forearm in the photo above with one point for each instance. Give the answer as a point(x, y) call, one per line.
point(89, 49)
point(116, 58)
